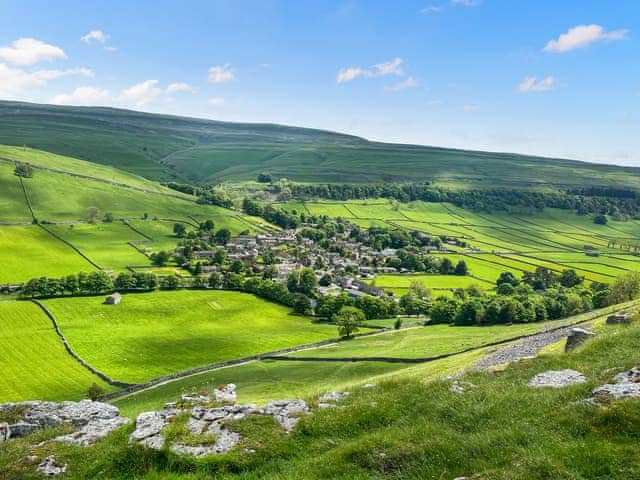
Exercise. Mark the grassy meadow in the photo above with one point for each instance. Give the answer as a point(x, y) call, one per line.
point(32, 252)
point(154, 334)
point(34, 364)
point(517, 242)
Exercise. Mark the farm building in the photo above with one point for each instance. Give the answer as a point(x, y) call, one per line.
point(114, 299)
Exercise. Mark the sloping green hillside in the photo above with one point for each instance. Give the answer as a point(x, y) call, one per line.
point(205, 151)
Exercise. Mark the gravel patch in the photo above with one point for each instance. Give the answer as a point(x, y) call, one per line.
point(527, 348)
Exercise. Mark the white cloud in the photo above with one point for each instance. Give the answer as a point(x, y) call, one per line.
point(221, 74)
point(431, 9)
point(27, 51)
point(82, 96)
point(392, 67)
point(388, 68)
point(435, 102)
point(95, 36)
point(582, 36)
point(14, 80)
point(532, 84)
point(470, 107)
point(180, 87)
point(410, 82)
point(142, 94)
point(465, 3)
point(216, 101)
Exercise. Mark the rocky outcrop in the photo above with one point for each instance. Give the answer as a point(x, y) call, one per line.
point(211, 424)
point(557, 379)
point(5, 432)
point(49, 467)
point(89, 420)
point(626, 385)
point(576, 337)
point(331, 399)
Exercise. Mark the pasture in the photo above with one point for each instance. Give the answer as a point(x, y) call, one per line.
point(13, 205)
point(34, 364)
point(400, 283)
point(153, 334)
point(29, 252)
point(104, 243)
point(517, 242)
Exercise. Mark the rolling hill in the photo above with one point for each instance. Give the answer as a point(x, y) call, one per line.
point(162, 147)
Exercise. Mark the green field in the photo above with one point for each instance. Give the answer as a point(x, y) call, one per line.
point(400, 283)
point(104, 243)
point(31, 252)
point(34, 364)
point(153, 334)
point(553, 238)
point(203, 151)
point(13, 207)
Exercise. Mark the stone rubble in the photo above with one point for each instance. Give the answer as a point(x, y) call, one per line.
point(557, 379)
point(459, 386)
point(90, 420)
point(330, 399)
point(211, 421)
point(50, 468)
point(627, 385)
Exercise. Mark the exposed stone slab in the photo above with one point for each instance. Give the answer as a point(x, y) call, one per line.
point(557, 379)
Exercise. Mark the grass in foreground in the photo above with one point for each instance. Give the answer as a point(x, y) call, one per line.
point(153, 334)
point(407, 428)
point(34, 364)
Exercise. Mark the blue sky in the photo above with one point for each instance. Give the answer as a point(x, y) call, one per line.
point(556, 78)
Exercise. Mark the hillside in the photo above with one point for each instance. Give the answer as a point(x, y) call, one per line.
point(162, 147)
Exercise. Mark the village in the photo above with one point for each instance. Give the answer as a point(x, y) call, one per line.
point(343, 256)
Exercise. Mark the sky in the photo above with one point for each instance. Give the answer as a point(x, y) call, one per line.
point(544, 77)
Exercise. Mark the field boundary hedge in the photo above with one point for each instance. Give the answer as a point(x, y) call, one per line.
point(73, 354)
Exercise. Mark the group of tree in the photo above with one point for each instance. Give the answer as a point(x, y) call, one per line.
point(206, 196)
point(93, 283)
point(535, 298)
point(616, 203)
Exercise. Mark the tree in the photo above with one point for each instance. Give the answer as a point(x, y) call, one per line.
point(302, 305)
point(24, 170)
point(219, 256)
point(600, 219)
point(179, 230)
point(626, 287)
point(237, 266)
point(443, 311)
point(507, 277)
point(418, 289)
point(108, 217)
point(94, 391)
point(215, 280)
point(505, 289)
point(160, 259)
point(269, 272)
point(302, 281)
point(413, 305)
point(469, 313)
point(446, 266)
point(461, 268)
point(264, 178)
point(569, 278)
point(170, 282)
point(223, 236)
point(349, 320)
point(206, 226)
point(326, 280)
point(92, 214)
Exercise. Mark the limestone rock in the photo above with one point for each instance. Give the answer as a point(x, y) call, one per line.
point(458, 386)
point(226, 393)
point(617, 318)
point(5, 432)
point(49, 467)
point(334, 397)
point(148, 424)
point(617, 391)
point(630, 376)
point(90, 420)
point(576, 337)
point(287, 412)
point(557, 379)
